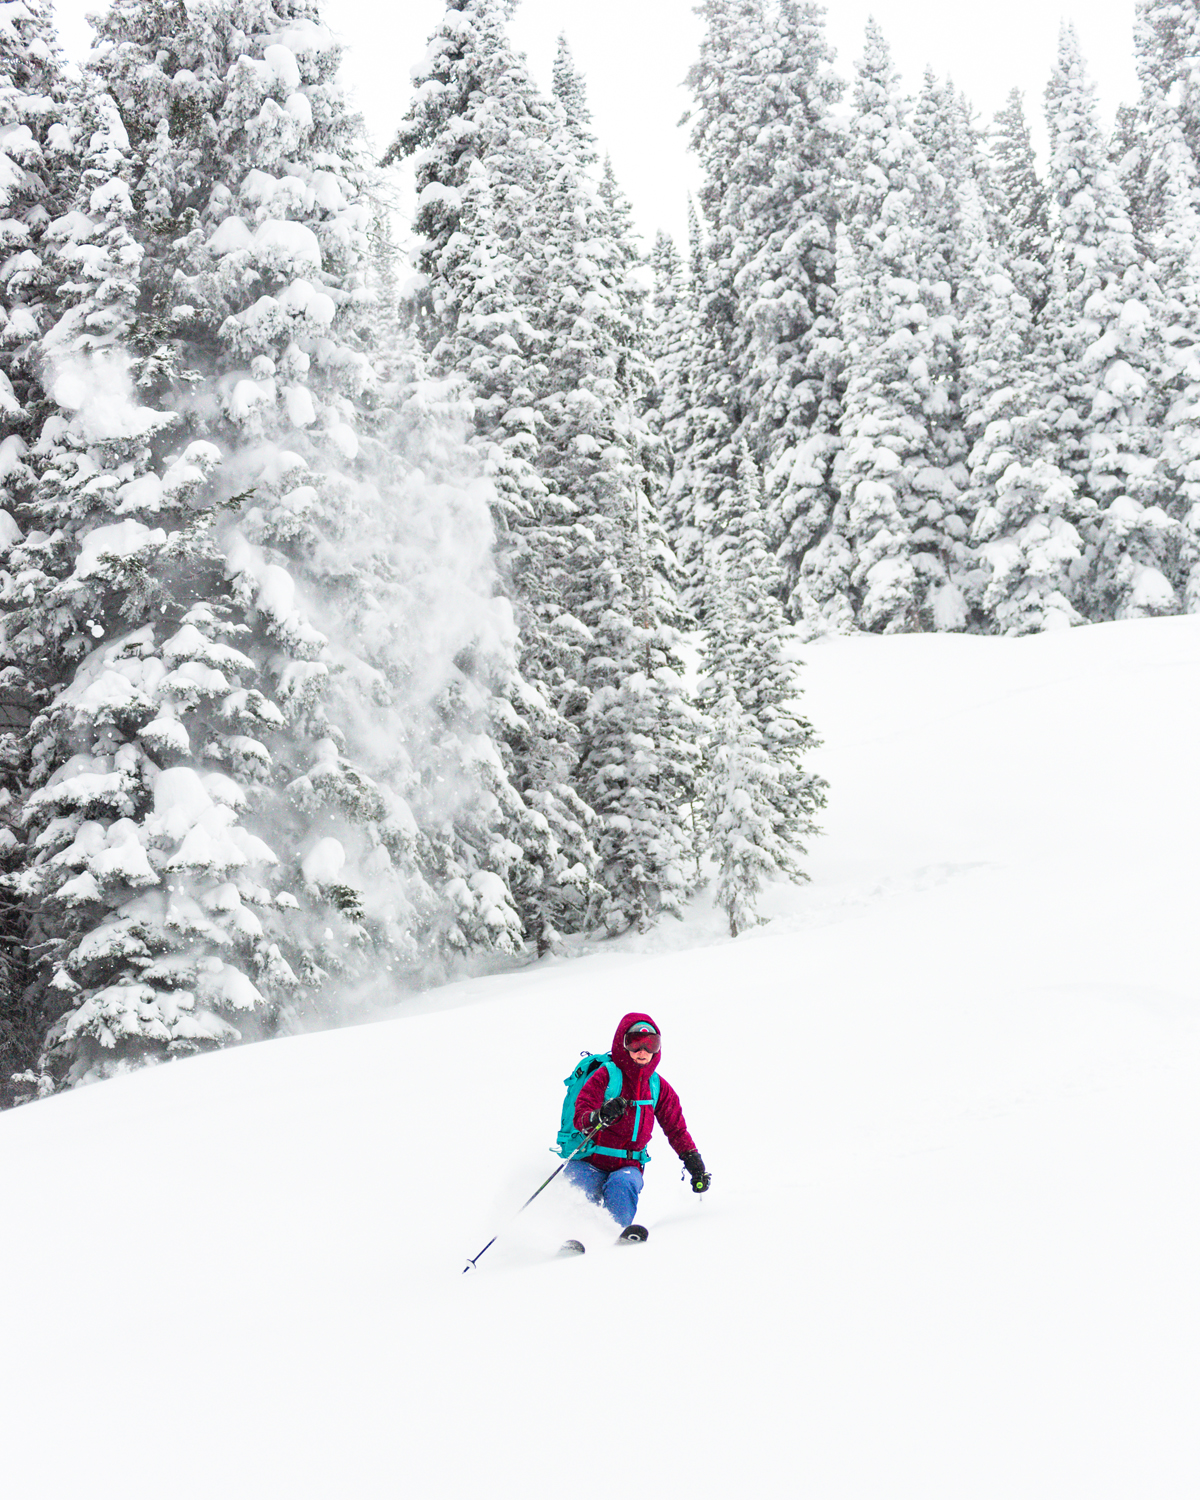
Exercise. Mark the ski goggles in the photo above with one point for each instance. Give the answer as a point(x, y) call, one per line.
point(642, 1041)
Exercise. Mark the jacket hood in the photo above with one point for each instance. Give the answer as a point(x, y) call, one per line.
point(628, 1067)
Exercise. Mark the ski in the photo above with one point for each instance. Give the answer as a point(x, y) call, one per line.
point(571, 1247)
point(633, 1234)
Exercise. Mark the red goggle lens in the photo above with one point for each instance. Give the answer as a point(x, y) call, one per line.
point(642, 1041)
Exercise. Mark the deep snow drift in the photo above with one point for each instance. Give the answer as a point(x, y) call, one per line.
point(950, 1097)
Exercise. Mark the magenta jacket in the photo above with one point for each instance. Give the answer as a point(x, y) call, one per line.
point(669, 1112)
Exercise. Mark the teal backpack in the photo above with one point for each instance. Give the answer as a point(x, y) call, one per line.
point(569, 1139)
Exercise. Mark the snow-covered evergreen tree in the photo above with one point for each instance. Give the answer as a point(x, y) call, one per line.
point(1102, 341)
point(1022, 220)
point(892, 473)
point(742, 784)
point(726, 83)
point(1167, 51)
point(269, 772)
point(1161, 168)
point(699, 428)
point(641, 754)
point(1028, 550)
point(1066, 401)
point(1177, 259)
point(634, 283)
point(766, 367)
point(36, 177)
point(638, 734)
point(37, 167)
point(536, 293)
point(759, 801)
point(784, 215)
point(477, 129)
point(1165, 121)
point(956, 238)
point(481, 135)
point(671, 321)
point(1127, 153)
point(141, 877)
point(570, 91)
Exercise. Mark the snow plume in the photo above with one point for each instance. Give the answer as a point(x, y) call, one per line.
point(97, 396)
point(432, 539)
point(375, 585)
point(397, 580)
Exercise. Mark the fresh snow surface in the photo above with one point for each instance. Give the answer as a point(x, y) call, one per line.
point(949, 1097)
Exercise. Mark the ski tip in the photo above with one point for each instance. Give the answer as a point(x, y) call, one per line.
point(571, 1247)
point(633, 1234)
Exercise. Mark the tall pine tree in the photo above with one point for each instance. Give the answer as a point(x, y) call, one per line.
point(481, 133)
point(759, 801)
point(37, 166)
point(1165, 177)
point(637, 731)
point(1022, 219)
point(863, 569)
point(1028, 551)
point(1102, 342)
point(766, 369)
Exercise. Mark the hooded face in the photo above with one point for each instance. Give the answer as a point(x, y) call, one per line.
point(622, 1057)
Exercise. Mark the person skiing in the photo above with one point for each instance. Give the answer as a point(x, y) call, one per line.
point(609, 1171)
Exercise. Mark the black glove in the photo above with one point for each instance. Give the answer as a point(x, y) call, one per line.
point(693, 1164)
point(609, 1112)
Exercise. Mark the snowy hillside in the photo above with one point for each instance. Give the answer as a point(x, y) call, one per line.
point(949, 1097)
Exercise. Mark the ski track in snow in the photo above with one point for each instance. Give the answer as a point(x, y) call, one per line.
point(948, 1094)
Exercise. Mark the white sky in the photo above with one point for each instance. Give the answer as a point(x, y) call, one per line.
point(635, 53)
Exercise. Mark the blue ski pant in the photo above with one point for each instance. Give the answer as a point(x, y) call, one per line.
point(617, 1191)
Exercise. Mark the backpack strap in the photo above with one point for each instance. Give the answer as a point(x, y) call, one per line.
point(614, 1088)
point(640, 1104)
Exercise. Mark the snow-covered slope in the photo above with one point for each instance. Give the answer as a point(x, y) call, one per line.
point(950, 1097)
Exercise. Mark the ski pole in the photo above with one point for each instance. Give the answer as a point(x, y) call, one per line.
point(470, 1265)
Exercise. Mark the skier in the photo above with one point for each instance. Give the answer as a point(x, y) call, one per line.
point(611, 1170)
